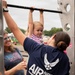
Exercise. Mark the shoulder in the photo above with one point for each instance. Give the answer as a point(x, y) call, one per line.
point(17, 50)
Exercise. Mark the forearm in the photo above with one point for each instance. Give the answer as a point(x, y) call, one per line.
point(30, 24)
point(21, 66)
point(41, 18)
point(11, 71)
point(14, 28)
point(30, 21)
point(9, 20)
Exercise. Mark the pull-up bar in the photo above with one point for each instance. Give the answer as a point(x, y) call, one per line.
point(24, 7)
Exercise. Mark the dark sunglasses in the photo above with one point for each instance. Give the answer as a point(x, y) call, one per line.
point(7, 38)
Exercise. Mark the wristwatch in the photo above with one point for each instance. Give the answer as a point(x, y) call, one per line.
point(5, 9)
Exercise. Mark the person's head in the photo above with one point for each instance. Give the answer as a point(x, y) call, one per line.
point(37, 29)
point(61, 40)
point(7, 42)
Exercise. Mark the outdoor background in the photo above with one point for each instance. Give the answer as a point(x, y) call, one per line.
point(21, 15)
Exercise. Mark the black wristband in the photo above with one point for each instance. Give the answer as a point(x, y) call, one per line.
point(5, 9)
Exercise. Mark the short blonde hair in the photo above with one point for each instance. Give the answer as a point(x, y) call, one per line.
point(35, 23)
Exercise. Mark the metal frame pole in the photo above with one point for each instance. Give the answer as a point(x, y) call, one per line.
point(1, 41)
point(67, 19)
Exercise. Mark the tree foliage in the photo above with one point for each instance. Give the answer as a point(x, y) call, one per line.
point(47, 33)
point(9, 31)
point(52, 31)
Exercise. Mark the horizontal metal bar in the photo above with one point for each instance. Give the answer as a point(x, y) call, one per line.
point(24, 7)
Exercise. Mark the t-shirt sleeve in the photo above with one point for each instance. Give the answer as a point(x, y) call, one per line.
point(30, 45)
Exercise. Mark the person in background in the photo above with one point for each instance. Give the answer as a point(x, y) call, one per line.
point(43, 59)
point(35, 28)
point(13, 60)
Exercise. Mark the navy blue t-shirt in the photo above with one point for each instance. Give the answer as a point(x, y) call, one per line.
point(45, 60)
point(11, 59)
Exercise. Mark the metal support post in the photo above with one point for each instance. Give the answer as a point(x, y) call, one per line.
point(68, 24)
point(1, 41)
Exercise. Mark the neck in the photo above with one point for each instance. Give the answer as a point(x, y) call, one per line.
point(51, 45)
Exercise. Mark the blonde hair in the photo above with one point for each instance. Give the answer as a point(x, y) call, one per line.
point(36, 23)
point(12, 47)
